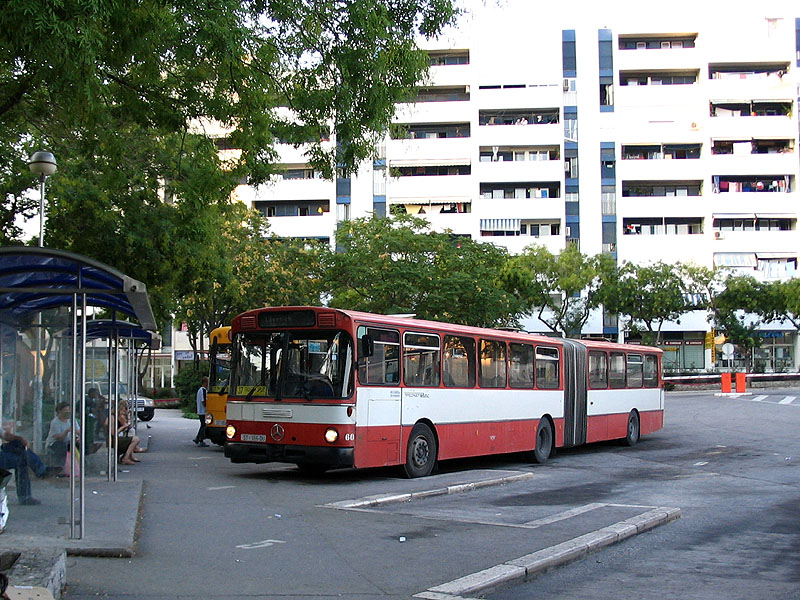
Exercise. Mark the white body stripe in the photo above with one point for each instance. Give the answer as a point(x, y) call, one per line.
point(280, 412)
point(622, 401)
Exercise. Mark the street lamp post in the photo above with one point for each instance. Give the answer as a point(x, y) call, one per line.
point(42, 164)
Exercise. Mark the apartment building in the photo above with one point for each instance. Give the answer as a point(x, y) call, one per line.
point(650, 136)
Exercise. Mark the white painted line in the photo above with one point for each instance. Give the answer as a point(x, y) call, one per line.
point(759, 398)
point(200, 458)
point(222, 487)
point(787, 400)
point(564, 515)
point(529, 565)
point(261, 544)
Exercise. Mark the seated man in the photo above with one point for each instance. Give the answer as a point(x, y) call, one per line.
point(15, 456)
point(60, 435)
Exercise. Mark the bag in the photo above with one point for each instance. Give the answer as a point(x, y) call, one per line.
point(73, 466)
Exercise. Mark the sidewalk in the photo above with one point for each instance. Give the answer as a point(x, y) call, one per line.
point(36, 539)
point(112, 510)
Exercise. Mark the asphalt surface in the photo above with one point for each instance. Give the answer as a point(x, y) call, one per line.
point(188, 521)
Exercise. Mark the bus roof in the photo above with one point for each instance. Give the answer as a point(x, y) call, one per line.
point(220, 335)
point(404, 322)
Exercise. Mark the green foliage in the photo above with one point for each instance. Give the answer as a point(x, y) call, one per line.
point(399, 265)
point(561, 289)
point(187, 381)
point(132, 97)
point(239, 268)
point(647, 295)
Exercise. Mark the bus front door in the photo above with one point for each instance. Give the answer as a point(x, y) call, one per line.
point(378, 431)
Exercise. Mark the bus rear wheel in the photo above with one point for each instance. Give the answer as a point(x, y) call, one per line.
point(634, 431)
point(544, 441)
point(421, 452)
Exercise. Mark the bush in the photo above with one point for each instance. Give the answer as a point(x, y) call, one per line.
point(187, 381)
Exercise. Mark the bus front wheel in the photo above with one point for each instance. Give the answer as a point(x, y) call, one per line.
point(421, 452)
point(544, 441)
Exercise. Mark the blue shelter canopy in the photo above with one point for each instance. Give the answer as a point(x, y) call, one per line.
point(35, 279)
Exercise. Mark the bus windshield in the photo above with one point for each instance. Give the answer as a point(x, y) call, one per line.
point(220, 359)
point(317, 365)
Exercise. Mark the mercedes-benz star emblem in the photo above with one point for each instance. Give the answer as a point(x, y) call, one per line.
point(277, 431)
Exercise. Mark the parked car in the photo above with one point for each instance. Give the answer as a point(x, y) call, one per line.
point(145, 407)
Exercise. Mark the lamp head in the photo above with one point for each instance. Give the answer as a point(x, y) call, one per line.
point(42, 163)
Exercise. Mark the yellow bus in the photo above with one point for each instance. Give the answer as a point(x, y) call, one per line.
point(220, 359)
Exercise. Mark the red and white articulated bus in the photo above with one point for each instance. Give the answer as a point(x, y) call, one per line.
point(322, 388)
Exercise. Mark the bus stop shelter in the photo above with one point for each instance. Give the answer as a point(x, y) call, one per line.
point(43, 294)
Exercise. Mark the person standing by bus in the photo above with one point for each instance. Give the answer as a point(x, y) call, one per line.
point(202, 392)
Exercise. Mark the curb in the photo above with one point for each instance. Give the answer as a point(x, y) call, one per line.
point(560, 554)
point(42, 568)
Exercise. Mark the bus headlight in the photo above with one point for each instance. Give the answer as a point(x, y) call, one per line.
point(209, 419)
point(331, 435)
point(230, 432)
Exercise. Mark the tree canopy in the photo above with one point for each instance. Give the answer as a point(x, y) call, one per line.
point(562, 289)
point(399, 265)
point(136, 98)
point(648, 295)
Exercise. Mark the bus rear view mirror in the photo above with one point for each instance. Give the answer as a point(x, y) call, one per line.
point(367, 345)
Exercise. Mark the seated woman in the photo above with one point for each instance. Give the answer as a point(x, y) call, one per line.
point(127, 444)
point(60, 435)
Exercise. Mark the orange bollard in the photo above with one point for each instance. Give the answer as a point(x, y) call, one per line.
point(726, 383)
point(741, 383)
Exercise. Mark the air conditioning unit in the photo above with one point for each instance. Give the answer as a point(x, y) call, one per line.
point(566, 85)
point(718, 235)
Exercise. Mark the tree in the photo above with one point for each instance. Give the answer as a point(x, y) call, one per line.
point(561, 289)
point(732, 303)
point(136, 118)
point(246, 268)
point(648, 295)
point(737, 309)
point(399, 265)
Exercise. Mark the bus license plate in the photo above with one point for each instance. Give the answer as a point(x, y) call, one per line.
point(250, 437)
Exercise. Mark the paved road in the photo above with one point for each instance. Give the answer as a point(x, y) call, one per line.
point(733, 466)
point(211, 529)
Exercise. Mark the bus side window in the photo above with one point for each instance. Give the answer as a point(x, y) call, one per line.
point(458, 368)
point(493, 364)
point(634, 370)
point(421, 359)
point(616, 374)
point(598, 370)
point(547, 368)
point(521, 366)
point(650, 371)
point(383, 366)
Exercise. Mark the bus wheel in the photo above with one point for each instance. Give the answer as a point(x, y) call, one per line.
point(421, 452)
point(633, 429)
point(544, 442)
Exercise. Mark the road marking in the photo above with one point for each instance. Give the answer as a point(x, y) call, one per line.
point(760, 398)
point(702, 463)
point(564, 515)
point(222, 487)
point(261, 544)
point(787, 400)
